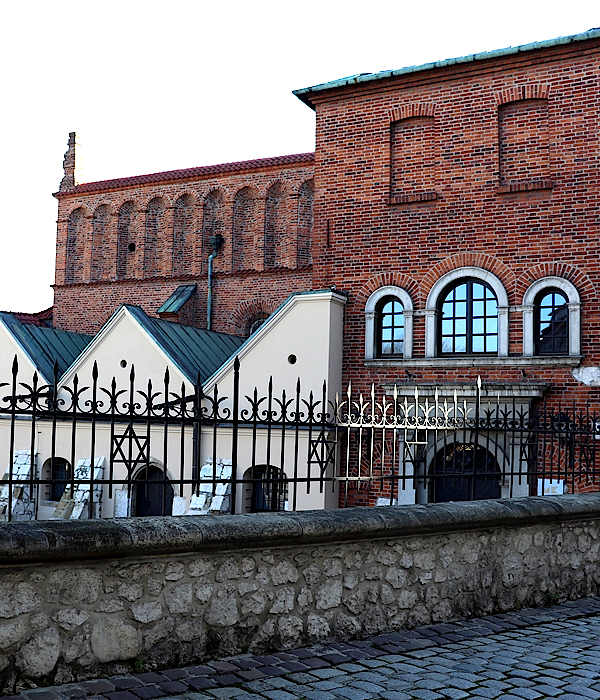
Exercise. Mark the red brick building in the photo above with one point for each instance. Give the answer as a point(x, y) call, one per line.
point(456, 203)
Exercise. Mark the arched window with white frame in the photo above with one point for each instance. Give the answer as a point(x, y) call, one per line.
point(551, 318)
point(388, 324)
point(467, 314)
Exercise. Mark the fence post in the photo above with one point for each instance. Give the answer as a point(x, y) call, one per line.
point(234, 436)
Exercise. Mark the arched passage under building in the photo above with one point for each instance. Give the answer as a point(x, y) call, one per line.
point(463, 471)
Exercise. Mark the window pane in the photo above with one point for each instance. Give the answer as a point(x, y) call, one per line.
point(491, 308)
point(478, 308)
point(446, 344)
point(478, 291)
point(398, 334)
point(491, 325)
point(492, 343)
point(460, 327)
point(460, 310)
point(386, 348)
point(460, 292)
point(447, 309)
point(447, 327)
point(461, 344)
point(478, 325)
point(386, 333)
point(478, 343)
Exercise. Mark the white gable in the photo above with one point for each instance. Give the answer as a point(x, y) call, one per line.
point(308, 327)
point(123, 341)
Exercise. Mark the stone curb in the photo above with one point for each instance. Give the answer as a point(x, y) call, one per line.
point(241, 669)
point(30, 542)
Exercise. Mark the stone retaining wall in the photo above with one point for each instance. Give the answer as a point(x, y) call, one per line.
point(80, 599)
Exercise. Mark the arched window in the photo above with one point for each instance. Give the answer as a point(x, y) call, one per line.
point(125, 242)
point(551, 321)
point(244, 228)
point(468, 319)
point(265, 489)
point(75, 246)
point(388, 324)
point(276, 253)
point(255, 322)
point(305, 222)
point(212, 221)
point(57, 471)
point(154, 231)
point(183, 224)
point(551, 318)
point(389, 320)
point(100, 222)
point(467, 313)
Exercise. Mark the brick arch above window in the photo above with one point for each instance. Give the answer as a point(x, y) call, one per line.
point(561, 269)
point(532, 91)
point(248, 310)
point(412, 109)
point(487, 262)
point(184, 215)
point(384, 279)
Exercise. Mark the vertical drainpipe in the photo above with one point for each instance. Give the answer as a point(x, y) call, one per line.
point(216, 242)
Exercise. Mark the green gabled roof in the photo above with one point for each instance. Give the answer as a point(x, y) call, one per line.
point(179, 297)
point(44, 346)
point(358, 79)
point(196, 351)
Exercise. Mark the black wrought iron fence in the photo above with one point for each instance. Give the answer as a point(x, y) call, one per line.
point(83, 450)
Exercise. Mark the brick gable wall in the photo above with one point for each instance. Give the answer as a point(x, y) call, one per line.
point(136, 243)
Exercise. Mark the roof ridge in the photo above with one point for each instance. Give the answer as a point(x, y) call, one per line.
point(186, 173)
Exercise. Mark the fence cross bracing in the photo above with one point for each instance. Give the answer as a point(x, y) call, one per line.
point(82, 450)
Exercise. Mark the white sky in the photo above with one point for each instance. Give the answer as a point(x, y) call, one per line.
point(152, 86)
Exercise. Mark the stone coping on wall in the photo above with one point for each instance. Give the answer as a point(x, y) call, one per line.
point(31, 542)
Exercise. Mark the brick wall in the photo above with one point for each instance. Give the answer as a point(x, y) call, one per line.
point(539, 111)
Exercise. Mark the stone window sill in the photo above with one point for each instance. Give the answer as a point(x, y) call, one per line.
point(410, 197)
point(525, 186)
point(514, 361)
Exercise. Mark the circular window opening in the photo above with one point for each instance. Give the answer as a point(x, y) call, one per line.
point(292, 359)
point(131, 247)
point(123, 363)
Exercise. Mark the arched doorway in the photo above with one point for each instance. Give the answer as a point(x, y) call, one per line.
point(265, 490)
point(463, 471)
point(152, 493)
point(57, 471)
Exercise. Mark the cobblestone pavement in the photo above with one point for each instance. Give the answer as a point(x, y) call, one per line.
point(534, 653)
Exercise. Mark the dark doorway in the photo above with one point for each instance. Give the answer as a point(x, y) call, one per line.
point(464, 472)
point(152, 493)
point(59, 475)
point(268, 489)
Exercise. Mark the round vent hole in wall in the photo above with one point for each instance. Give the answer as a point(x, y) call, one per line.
point(131, 247)
point(292, 359)
point(123, 363)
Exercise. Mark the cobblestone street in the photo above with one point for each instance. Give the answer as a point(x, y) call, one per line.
point(533, 653)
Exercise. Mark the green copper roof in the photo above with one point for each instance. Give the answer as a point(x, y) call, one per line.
point(305, 93)
point(195, 351)
point(179, 297)
point(44, 346)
